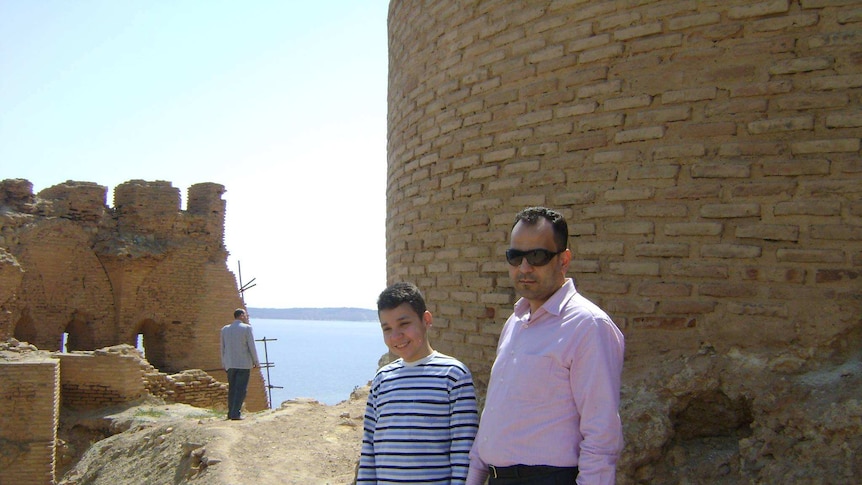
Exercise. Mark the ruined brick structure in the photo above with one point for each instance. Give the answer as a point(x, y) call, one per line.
point(707, 157)
point(69, 264)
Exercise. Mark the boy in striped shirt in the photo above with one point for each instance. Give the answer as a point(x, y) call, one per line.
point(421, 416)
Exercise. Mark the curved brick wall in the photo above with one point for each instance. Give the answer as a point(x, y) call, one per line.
point(706, 154)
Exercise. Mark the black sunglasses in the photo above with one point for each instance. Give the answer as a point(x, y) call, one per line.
point(535, 257)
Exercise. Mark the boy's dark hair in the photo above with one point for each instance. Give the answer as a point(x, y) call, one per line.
point(531, 216)
point(398, 293)
point(238, 312)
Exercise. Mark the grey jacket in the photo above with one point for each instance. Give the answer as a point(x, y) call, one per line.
point(237, 346)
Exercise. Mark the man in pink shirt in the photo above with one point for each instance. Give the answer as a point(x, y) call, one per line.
point(552, 409)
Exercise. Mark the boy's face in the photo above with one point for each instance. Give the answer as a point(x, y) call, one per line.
point(404, 332)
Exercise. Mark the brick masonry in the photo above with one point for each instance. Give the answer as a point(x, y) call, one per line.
point(706, 155)
point(29, 414)
point(69, 264)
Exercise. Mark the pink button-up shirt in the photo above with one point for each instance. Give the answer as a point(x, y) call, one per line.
point(554, 394)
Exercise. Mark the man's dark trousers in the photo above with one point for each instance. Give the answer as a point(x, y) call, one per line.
point(237, 385)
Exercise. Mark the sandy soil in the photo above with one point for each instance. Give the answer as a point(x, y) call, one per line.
point(302, 442)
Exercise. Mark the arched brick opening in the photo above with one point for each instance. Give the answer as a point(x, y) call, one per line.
point(153, 340)
point(26, 330)
point(80, 332)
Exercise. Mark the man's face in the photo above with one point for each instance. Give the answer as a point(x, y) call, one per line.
point(404, 332)
point(537, 283)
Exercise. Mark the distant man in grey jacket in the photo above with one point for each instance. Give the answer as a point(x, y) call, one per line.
point(238, 357)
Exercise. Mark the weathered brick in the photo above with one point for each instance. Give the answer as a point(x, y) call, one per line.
point(639, 134)
point(828, 83)
point(602, 211)
point(686, 307)
point(707, 130)
point(630, 306)
point(721, 170)
point(613, 287)
point(699, 269)
point(635, 193)
point(693, 229)
point(599, 248)
point(758, 9)
point(836, 275)
point(844, 120)
point(616, 156)
point(727, 290)
point(795, 123)
point(679, 151)
point(688, 95)
point(587, 43)
point(661, 210)
point(654, 172)
point(769, 232)
point(759, 309)
point(807, 207)
point(631, 227)
point(832, 39)
point(627, 102)
point(695, 20)
point(825, 146)
point(785, 22)
point(601, 121)
point(730, 251)
point(724, 211)
point(802, 64)
point(662, 115)
point(762, 89)
point(774, 274)
point(584, 142)
point(810, 255)
point(811, 101)
point(600, 89)
point(664, 323)
point(601, 53)
point(842, 232)
point(642, 30)
point(662, 250)
point(655, 43)
point(665, 289)
point(796, 167)
point(763, 189)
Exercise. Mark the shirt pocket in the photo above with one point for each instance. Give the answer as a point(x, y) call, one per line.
point(531, 378)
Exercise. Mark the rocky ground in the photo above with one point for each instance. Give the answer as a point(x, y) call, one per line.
point(302, 442)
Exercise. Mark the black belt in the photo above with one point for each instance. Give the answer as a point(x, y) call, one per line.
point(521, 471)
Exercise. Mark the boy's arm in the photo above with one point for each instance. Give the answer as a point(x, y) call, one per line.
point(367, 472)
point(464, 422)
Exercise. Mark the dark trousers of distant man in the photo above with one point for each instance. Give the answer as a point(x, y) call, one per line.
point(237, 385)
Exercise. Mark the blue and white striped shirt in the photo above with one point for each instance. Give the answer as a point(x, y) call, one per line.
point(420, 422)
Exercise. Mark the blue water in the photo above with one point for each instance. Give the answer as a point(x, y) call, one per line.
point(321, 359)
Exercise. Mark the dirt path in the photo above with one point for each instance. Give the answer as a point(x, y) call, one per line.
point(303, 442)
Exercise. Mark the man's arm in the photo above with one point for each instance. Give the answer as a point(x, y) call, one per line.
point(252, 349)
point(595, 379)
point(223, 350)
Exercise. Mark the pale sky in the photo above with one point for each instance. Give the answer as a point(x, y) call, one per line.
point(281, 101)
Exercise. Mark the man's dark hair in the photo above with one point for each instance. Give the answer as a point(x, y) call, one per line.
point(531, 216)
point(398, 293)
point(238, 312)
